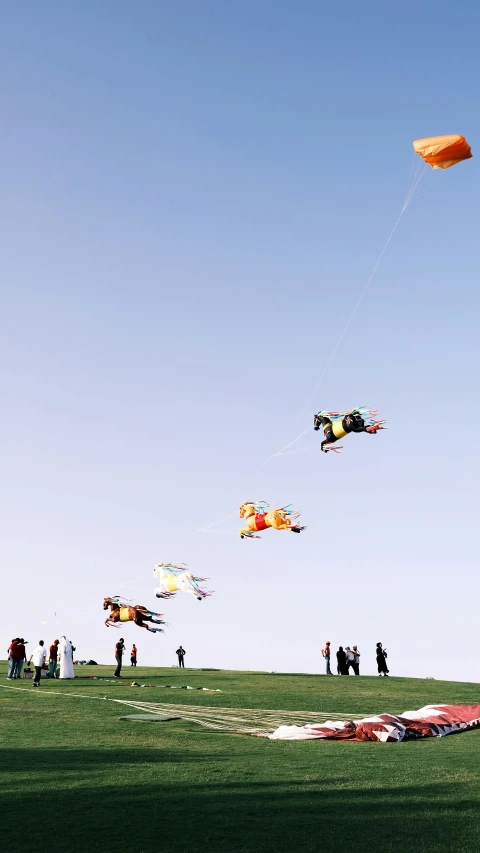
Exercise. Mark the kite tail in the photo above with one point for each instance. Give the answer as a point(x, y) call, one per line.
point(196, 589)
point(157, 617)
point(375, 426)
point(331, 446)
point(370, 416)
point(173, 568)
point(119, 599)
point(160, 594)
point(292, 514)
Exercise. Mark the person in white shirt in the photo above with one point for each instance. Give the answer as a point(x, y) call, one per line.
point(39, 656)
point(350, 659)
point(66, 658)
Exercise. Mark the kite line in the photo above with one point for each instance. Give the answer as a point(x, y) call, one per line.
point(417, 184)
point(419, 180)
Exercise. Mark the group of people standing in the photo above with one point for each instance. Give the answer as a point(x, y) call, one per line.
point(120, 649)
point(16, 658)
point(59, 652)
point(349, 658)
point(119, 652)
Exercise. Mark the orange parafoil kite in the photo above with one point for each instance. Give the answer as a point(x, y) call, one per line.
point(441, 152)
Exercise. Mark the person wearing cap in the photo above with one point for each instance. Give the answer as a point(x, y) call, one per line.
point(350, 659)
point(53, 659)
point(39, 657)
point(326, 656)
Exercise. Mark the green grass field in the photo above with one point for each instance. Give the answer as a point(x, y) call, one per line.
point(76, 778)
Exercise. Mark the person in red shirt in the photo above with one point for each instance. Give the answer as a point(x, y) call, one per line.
point(133, 656)
point(52, 667)
point(20, 657)
point(11, 658)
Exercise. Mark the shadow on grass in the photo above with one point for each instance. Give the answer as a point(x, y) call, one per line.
point(128, 799)
point(64, 760)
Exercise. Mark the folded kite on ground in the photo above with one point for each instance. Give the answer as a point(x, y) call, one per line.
point(430, 721)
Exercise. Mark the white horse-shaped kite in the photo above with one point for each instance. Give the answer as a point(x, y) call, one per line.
point(174, 578)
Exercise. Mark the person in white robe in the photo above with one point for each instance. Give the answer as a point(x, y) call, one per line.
point(66, 659)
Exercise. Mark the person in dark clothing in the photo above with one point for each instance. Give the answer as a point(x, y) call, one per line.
point(180, 654)
point(133, 656)
point(381, 660)
point(341, 662)
point(356, 663)
point(119, 649)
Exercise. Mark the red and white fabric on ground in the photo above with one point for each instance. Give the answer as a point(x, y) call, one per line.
point(430, 721)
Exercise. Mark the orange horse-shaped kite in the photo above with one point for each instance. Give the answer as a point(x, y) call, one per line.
point(258, 517)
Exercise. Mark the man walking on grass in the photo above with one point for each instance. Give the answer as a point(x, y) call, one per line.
point(181, 654)
point(39, 656)
point(119, 649)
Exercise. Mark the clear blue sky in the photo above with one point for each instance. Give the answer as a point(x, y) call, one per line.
point(192, 197)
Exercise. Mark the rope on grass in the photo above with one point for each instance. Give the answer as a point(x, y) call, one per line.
point(248, 721)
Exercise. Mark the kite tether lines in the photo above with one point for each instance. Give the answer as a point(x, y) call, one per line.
point(420, 179)
point(417, 184)
point(247, 721)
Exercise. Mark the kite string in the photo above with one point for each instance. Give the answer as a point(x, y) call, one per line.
point(352, 315)
point(345, 329)
point(409, 182)
point(214, 523)
point(416, 186)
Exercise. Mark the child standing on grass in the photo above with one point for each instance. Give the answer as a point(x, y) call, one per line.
point(133, 656)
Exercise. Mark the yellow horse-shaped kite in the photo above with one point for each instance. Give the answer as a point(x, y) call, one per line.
point(258, 517)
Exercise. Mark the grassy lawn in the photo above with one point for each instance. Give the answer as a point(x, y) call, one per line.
point(76, 778)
